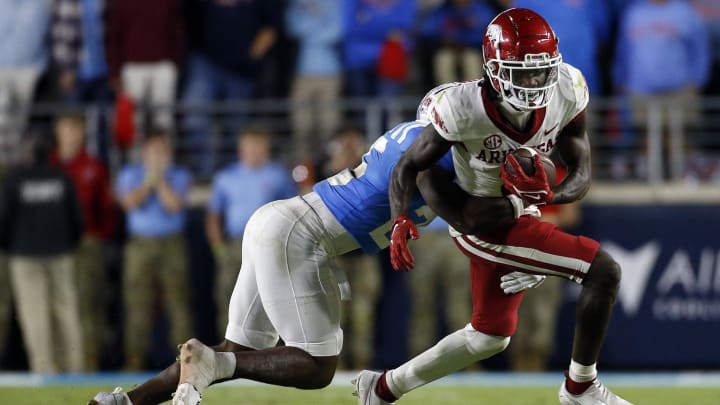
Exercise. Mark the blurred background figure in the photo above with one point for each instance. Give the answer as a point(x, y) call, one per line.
point(362, 270)
point(709, 10)
point(145, 46)
point(78, 50)
point(40, 228)
point(228, 42)
point(92, 185)
point(454, 32)
point(153, 194)
point(583, 27)
point(439, 286)
point(534, 340)
point(237, 191)
point(24, 55)
point(376, 41)
point(316, 87)
point(655, 33)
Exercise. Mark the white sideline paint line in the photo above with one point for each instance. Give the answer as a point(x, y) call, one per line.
point(342, 379)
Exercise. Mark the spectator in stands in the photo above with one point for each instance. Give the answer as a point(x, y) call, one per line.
point(583, 28)
point(316, 26)
point(23, 59)
point(228, 41)
point(455, 31)
point(362, 270)
point(145, 45)
point(440, 277)
point(534, 341)
point(91, 180)
point(78, 50)
point(153, 193)
point(376, 39)
point(662, 60)
point(709, 10)
point(237, 191)
point(40, 228)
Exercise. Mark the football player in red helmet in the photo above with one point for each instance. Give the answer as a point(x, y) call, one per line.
point(528, 98)
point(522, 60)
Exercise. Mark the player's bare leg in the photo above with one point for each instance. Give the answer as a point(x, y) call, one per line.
point(594, 309)
point(285, 366)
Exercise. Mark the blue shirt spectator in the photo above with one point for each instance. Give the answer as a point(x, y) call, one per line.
point(153, 193)
point(23, 33)
point(151, 219)
point(244, 186)
point(238, 190)
point(317, 25)
point(369, 23)
point(581, 26)
point(458, 22)
point(662, 46)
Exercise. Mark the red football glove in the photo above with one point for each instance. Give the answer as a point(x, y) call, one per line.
point(532, 189)
point(403, 229)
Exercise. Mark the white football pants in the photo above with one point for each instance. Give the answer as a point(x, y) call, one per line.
point(286, 286)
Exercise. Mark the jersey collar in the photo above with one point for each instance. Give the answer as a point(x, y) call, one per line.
point(536, 120)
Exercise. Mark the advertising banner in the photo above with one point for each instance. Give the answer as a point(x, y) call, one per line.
point(668, 310)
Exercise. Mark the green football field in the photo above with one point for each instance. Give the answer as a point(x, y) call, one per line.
point(442, 395)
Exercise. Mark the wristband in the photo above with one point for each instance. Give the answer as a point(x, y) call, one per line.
point(518, 205)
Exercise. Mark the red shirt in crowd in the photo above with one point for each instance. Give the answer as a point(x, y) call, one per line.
point(143, 31)
point(91, 181)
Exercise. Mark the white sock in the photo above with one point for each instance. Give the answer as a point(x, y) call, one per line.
point(454, 352)
point(224, 365)
point(580, 373)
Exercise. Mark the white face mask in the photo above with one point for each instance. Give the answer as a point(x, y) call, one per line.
point(527, 85)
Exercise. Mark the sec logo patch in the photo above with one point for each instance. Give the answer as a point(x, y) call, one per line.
point(493, 142)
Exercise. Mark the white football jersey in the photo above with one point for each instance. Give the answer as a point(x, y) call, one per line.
point(462, 113)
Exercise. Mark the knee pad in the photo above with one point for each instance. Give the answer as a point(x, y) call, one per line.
point(481, 345)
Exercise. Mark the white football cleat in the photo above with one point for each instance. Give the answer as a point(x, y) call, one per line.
point(596, 394)
point(186, 394)
point(117, 397)
point(365, 388)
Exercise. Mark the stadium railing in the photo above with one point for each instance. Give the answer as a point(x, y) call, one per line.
point(671, 150)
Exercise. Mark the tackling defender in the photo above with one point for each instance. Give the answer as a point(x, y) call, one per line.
point(527, 97)
point(286, 287)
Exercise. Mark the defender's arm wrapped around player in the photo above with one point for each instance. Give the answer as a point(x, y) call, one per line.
point(477, 213)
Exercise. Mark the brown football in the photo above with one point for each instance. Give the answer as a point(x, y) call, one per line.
point(524, 156)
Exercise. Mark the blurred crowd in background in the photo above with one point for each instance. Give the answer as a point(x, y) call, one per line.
point(113, 111)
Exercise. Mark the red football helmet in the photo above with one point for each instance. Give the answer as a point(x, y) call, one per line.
point(522, 58)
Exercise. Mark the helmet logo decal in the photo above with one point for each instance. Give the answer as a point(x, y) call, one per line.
point(494, 33)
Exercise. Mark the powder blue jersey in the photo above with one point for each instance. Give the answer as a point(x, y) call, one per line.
point(358, 197)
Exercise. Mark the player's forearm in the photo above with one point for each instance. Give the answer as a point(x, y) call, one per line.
point(574, 187)
point(402, 188)
point(467, 214)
